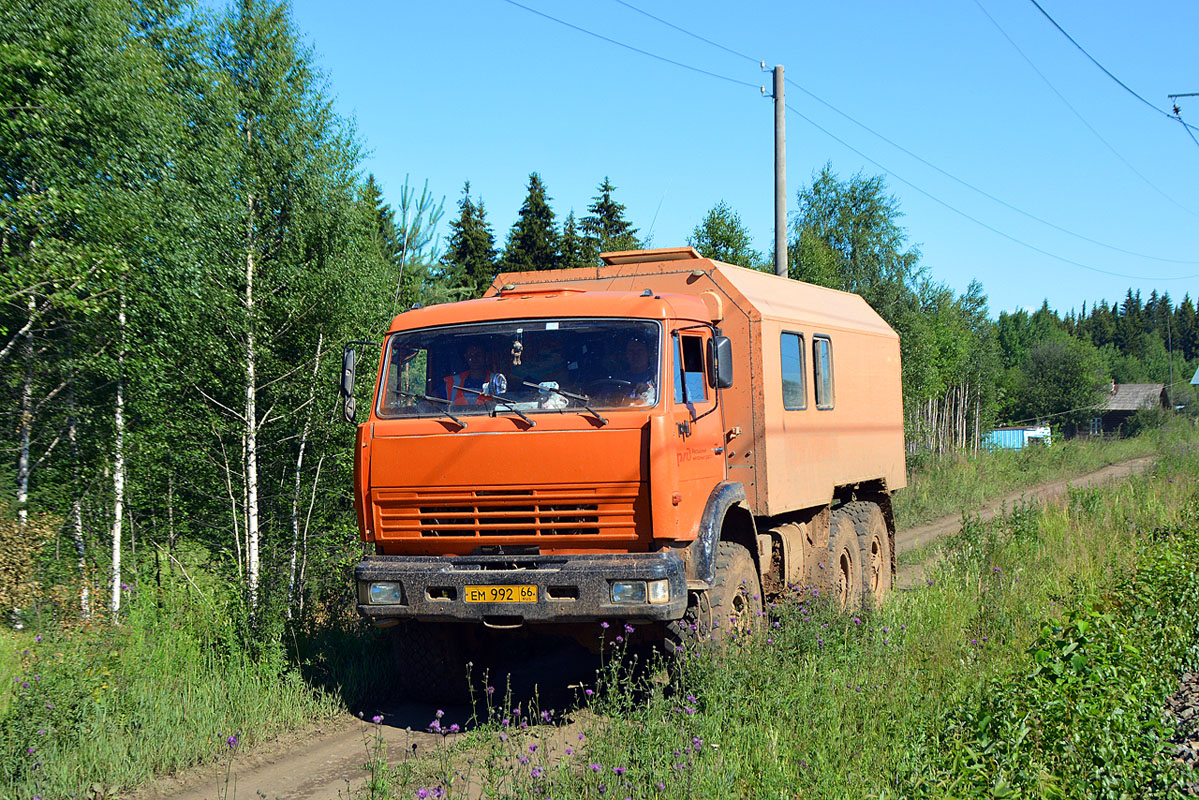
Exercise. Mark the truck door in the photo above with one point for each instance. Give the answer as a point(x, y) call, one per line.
point(698, 424)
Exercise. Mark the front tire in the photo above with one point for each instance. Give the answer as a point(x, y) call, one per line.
point(732, 606)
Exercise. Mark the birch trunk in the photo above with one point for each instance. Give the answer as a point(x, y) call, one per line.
point(295, 499)
point(251, 419)
point(118, 465)
point(25, 426)
point(85, 600)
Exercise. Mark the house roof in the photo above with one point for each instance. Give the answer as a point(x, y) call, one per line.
point(1133, 396)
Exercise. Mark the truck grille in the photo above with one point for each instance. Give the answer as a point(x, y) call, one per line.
point(544, 515)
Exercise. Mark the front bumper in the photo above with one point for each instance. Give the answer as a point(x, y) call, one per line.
point(575, 588)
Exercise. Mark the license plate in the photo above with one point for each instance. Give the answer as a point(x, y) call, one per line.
point(500, 594)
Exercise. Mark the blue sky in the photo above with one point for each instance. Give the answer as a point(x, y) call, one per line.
point(485, 91)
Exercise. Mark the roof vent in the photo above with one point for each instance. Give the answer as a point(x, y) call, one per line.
point(649, 256)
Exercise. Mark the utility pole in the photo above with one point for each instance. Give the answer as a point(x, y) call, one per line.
point(780, 172)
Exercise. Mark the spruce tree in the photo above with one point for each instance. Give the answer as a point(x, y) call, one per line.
point(571, 247)
point(604, 228)
point(470, 259)
point(533, 242)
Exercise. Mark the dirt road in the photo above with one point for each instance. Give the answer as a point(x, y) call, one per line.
point(326, 762)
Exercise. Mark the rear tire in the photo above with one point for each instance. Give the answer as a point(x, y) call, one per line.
point(429, 662)
point(875, 542)
point(843, 582)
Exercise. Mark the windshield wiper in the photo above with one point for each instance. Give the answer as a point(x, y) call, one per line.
point(430, 398)
point(507, 404)
point(581, 398)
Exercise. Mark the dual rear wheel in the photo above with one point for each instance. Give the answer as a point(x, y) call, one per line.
point(858, 571)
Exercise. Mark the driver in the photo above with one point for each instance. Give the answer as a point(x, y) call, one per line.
point(640, 372)
point(475, 376)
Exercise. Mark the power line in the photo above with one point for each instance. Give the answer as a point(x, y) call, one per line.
point(982, 192)
point(689, 33)
point(1081, 118)
point(855, 150)
point(975, 220)
point(947, 174)
point(1104, 69)
point(647, 53)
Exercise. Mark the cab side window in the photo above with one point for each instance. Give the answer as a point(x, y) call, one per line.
point(822, 363)
point(690, 383)
point(794, 392)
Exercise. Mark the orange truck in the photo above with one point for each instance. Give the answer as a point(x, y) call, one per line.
point(663, 440)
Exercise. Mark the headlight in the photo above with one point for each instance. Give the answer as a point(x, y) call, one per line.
point(628, 591)
point(659, 591)
point(385, 593)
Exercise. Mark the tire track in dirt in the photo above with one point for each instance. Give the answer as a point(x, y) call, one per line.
point(325, 762)
point(908, 575)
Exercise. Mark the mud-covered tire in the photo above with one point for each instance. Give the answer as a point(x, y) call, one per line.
point(429, 662)
point(875, 542)
point(736, 593)
point(733, 604)
point(843, 580)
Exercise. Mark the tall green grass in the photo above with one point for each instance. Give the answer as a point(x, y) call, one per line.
point(106, 708)
point(963, 482)
point(911, 700)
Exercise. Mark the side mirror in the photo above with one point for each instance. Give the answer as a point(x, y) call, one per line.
point(720, 362)
point(349, 365)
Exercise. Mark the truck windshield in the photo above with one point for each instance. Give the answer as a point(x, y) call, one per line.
point(547, 366)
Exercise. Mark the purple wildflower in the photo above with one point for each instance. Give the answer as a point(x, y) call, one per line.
point(454, 728)
point(232, 741)
point(618, 771)
point(535, 772)
point(532, 748)
point(604, 625)
point(378, 718)
point(596, 767)
point(628, 628)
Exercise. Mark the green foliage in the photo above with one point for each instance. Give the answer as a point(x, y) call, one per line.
point(115, 706)
point(470, 259)
point(572, 248)
point(605, 228)
point(858, 223)
point(1060, 377)
point(723, 237)
point(533, 241)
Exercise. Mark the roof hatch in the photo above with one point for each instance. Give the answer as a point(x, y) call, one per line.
point(661, 254)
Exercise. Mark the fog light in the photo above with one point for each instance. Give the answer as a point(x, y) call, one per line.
point(659, 591)
point(628, 591)
point(386, 593)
